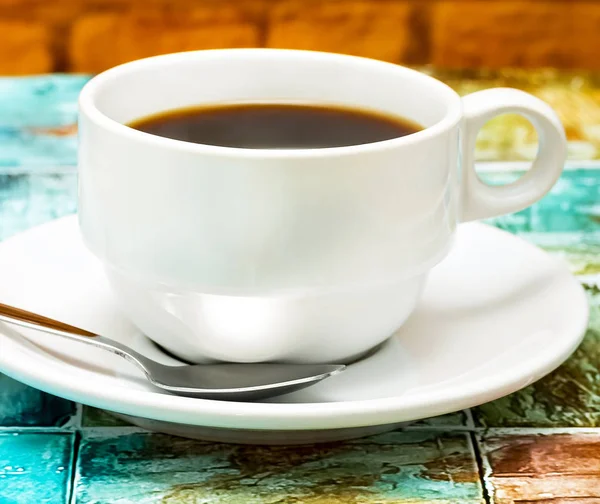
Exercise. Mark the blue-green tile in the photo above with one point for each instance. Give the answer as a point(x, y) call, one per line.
point(565, 223)
point(23, 406)
point(38, 117)
point(571, 207)
point(35, 468)
point(27, 200)
point(395, 467)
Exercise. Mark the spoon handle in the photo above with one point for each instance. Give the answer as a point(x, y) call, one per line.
point(12, 314)
point(30, 320)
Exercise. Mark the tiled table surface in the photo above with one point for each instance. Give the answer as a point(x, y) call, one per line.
point(541, 444)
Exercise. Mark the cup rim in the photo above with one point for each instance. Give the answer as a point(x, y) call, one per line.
point(87, 107)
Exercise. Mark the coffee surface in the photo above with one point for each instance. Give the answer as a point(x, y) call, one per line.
point(276, 126)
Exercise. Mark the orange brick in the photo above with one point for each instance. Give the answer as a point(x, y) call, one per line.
point(99, 41)
point(376, 29)
point(25, 48)
point(472, 33)
point(60, 10)
point(584, 39)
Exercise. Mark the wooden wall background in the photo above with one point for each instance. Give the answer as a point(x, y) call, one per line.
point(38, 36)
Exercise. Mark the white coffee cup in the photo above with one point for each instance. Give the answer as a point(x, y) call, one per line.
point(291, 255)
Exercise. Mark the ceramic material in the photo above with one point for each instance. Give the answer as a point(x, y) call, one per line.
point(321, 328)
point(428, 464)
point(271, 437)
point(532, 319)
point(321, 254)
point(565, 223)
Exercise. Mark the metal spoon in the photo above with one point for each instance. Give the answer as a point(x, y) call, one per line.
point(227, 382)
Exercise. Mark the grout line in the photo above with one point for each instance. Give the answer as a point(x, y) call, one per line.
point(109, 431)
point(470, 419)
point(74, 422)
point(72, 484)
point(467, 427)
point(438, 428)
point(501, 431)
point(483, 468)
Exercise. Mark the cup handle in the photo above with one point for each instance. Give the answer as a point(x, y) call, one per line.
point(481, 201)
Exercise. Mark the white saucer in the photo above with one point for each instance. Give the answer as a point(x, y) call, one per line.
point(496, 315)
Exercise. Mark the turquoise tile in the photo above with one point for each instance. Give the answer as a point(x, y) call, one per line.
point(35, 468)
point(38, 117)
point(22, 406)
point(27, 200)
point(572, 207)
point(395, 467)
point(43, 100)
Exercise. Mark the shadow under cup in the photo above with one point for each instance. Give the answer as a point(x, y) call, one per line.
point(258, 255)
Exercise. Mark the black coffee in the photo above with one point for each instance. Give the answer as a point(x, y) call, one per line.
point(276, 126)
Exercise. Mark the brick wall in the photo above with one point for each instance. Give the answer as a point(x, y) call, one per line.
point(39, 36)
